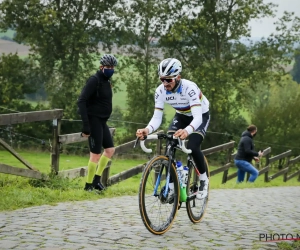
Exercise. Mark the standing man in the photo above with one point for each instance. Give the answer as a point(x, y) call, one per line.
point(191, 117)
point(95, 107)
point(246, 154)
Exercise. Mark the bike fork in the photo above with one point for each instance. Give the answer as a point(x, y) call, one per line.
point(165, 193)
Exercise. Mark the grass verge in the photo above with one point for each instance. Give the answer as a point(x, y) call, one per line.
point(20, 192)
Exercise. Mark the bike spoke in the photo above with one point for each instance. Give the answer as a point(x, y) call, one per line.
point(157, 211)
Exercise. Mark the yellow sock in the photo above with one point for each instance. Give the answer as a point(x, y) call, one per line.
point(91, 171)
point(102, 164)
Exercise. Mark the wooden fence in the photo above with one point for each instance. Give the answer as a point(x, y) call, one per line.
point(22, 117)
point(265, 167)
point(58, 140)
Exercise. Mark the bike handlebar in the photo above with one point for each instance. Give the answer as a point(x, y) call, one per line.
point(149, 150)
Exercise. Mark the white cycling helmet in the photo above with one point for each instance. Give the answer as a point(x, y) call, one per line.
point(169, 67)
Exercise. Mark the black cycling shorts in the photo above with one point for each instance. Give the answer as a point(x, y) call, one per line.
point(100, 135)
point(182, 121)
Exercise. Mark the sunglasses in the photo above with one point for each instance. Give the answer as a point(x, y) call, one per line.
point(168, 80)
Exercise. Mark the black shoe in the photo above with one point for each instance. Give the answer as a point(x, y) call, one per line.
point(97, 183)
point(88, 187)
point(99, 186)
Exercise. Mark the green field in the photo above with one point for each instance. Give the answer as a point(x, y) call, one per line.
point(19, 192)
point(120, 99)
point(8, 33)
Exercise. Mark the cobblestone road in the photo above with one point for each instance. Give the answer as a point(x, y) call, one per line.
point(234, 220)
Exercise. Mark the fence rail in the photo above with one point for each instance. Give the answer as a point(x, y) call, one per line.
point(58, 140)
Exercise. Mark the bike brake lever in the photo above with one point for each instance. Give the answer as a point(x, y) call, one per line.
point(136, 141)
point(179, 142)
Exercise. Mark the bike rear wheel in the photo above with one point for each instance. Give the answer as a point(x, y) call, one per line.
point(196, 207)
point(157, 212)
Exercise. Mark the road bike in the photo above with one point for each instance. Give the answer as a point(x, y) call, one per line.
point(158, 208)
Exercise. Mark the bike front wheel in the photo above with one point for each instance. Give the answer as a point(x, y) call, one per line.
point(196, 207)
point(157, 209)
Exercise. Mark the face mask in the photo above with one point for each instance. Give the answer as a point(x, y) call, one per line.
point(108, 72)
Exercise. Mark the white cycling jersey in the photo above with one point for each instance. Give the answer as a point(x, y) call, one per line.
point(187, 100)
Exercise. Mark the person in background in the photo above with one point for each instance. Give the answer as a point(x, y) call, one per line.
point(95, 107)
point(246, 154)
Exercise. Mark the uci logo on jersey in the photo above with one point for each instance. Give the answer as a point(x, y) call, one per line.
point(170, 98)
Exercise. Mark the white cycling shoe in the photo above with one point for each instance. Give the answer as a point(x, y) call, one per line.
point(203, 189)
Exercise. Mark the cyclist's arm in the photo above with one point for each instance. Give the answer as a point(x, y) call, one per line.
point(194, 96)
point(158, 112)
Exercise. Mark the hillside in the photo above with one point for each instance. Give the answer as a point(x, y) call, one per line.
point(7, 47)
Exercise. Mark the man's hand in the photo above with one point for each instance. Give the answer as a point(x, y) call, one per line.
point(256, 158)
point(181, 133)
point(141, 133)
point(84, 135)
point(260, 153)
point(86, 131)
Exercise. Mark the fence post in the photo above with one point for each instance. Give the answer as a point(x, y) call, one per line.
point(286, 166)
point(55, 146)
point(105, 174)
point(248, 176)
point(267, 164)
point(225, 173)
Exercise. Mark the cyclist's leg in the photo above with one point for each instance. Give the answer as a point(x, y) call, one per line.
point(195, 140)
point(178, 122)
point(109, 150)
point(95, 142)
point(194, 144)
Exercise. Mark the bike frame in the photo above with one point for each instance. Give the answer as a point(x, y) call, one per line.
point(170, 154)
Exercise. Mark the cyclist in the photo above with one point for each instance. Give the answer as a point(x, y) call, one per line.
point(192, 114)
point(95, 107)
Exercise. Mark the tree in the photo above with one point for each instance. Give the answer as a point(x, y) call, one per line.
point(208, 40)
point(63, 36)
point(277, 117)
point(15, 78)
point(139, 69)
point(296, 68)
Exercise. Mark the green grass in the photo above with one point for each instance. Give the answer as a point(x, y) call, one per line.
point(20, 192)
point(35, 103)
point(295, 245)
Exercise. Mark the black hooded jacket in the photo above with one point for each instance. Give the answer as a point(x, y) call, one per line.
point(246, 148)
point(95, 99)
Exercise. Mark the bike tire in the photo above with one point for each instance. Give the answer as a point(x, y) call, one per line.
point(196, 213)
point(147, 188)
